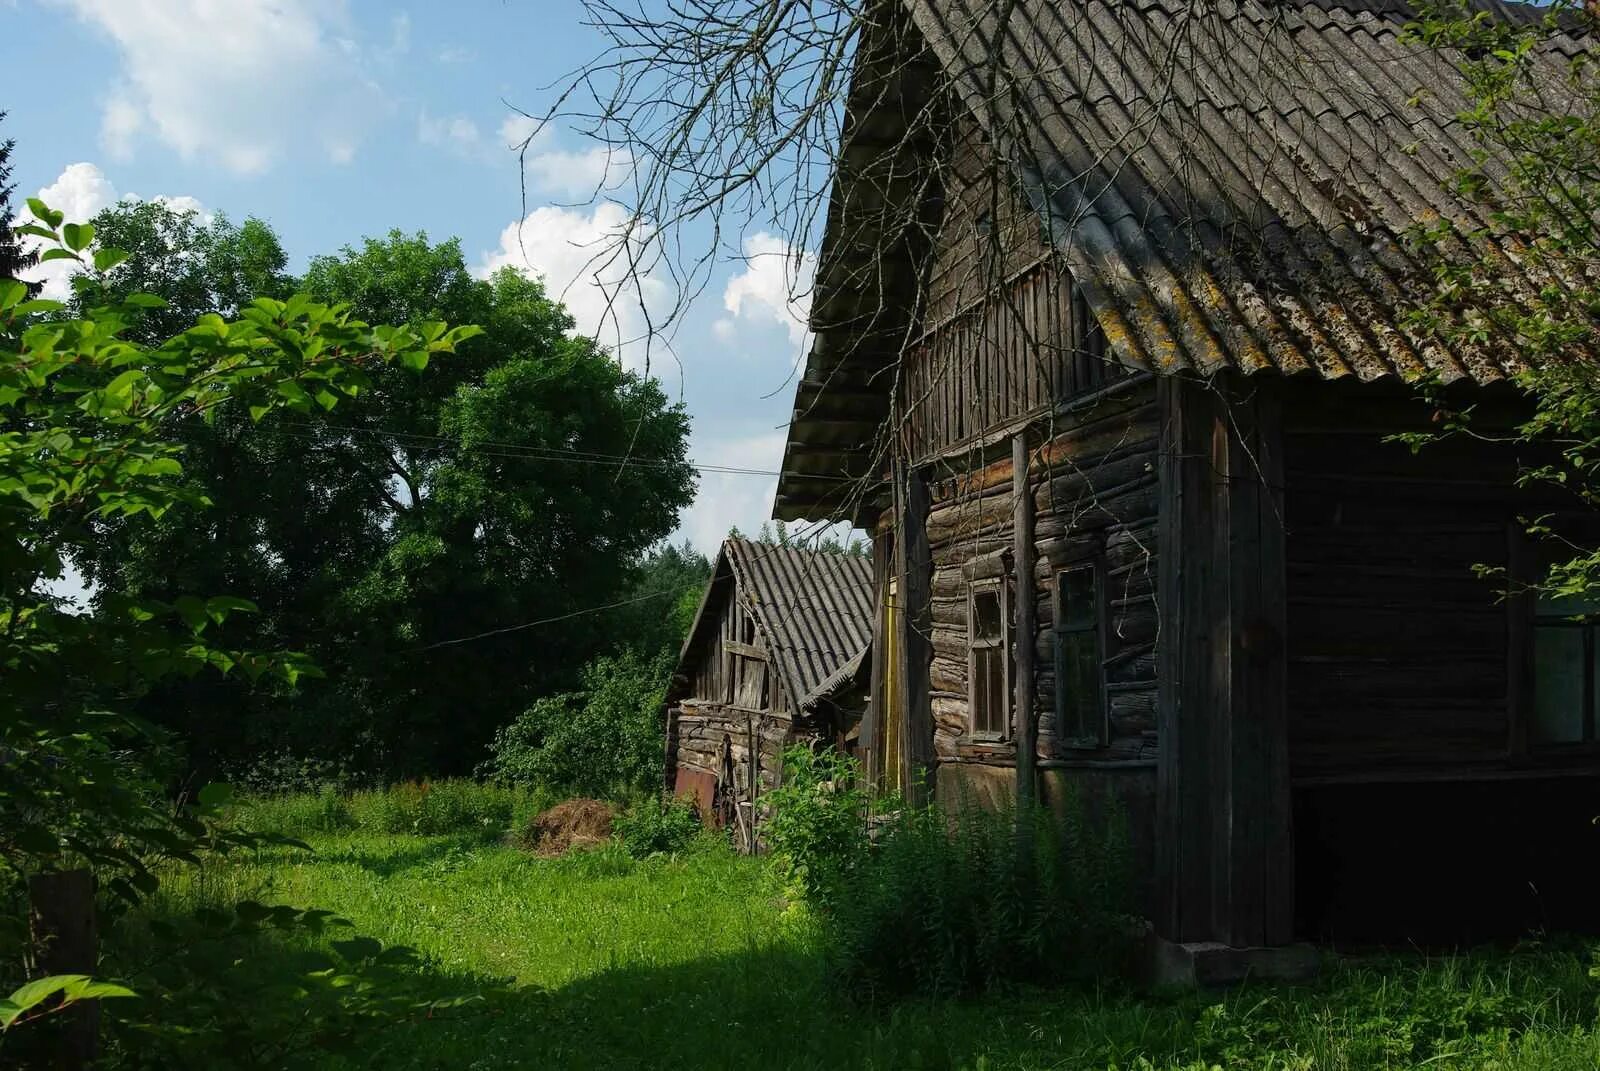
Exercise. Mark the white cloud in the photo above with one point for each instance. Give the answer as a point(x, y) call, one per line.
point(80, 191)
point(236, 82)
point(560, 172)
point(570, 249)
point(458, 132)
point(119, 124)
point(775, 287)
point(517, 128)
point(743, 500)
point(724, 499)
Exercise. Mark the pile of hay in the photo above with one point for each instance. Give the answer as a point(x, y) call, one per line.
point(579, 823)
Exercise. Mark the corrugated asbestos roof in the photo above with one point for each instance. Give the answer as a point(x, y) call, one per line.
point(814, 609)
point(1229, 181)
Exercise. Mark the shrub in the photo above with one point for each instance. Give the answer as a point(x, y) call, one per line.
point(654, 827)
point(950, 903)
point(602, 741)
point(817, 825)
point(942, 902)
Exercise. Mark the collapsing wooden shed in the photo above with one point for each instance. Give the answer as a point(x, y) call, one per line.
point(771, 660)
point(1109, 352)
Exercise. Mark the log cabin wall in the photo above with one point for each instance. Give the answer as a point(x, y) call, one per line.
point(1411, 779)
point(1093, 476)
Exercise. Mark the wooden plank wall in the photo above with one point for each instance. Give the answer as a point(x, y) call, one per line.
point(710, 680)
point(1396, 650)
point(1004, 335)
point(1094, 483)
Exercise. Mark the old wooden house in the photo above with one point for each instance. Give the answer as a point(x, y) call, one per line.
point(769, 662)
point(1108, 350)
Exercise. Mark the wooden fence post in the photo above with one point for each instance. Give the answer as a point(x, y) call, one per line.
point(61, 922)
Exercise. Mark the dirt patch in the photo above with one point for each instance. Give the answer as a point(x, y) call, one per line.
point(579, 823)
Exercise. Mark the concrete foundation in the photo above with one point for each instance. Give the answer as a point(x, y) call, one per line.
point(1207, 963)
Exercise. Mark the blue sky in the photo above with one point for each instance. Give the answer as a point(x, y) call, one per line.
point(336, 120)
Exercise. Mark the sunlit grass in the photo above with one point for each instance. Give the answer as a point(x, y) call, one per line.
point(700, 962)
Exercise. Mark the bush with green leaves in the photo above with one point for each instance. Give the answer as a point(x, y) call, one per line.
point(816, 825)
point(604, 740)
point(943, 901)
point(653, 826)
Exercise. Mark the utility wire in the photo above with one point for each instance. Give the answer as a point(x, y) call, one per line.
point(815, 527)
point(523, 452)
point(541, 621)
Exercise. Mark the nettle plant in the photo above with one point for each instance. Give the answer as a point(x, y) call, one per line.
point(85, 434)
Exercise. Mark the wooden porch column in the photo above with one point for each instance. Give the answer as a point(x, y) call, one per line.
point(916, 625)
point(1225, 856)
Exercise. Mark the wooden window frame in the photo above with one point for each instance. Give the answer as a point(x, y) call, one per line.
point(1586, 629)
point(1101, 737)
point(1001, 588)
point(1523, 625)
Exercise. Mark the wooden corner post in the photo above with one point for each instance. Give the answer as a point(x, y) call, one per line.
point(1225, 860)
point(916, 627)
point(1027, 630)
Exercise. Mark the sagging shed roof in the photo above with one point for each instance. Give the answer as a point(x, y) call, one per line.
point(812, 608)
point(1228, 181)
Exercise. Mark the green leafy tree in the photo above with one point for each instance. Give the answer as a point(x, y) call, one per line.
point(1533, 119)
point(14, 259)
point(196, 265)
point(663, 597)
point(408, 535)
point(86, 412)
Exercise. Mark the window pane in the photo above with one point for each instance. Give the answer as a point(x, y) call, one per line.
point(986, 615)
point(1079, 683)
point(1558, 684)
point(988, 692)
point(1077, 600)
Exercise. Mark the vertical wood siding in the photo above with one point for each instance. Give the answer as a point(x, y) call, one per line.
point(1005, 335)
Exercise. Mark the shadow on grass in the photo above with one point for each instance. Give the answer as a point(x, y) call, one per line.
point(775, 1007)
point(418, 853)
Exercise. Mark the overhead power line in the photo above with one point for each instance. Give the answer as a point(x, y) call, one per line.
point(524, 452)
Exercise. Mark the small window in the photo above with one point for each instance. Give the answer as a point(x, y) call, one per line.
point(989, 661)
point(1080, 660)
point(1564, 670)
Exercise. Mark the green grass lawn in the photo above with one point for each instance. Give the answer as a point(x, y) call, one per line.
point(698, 962)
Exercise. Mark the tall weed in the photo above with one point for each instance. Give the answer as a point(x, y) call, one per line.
point(940, 902)
point(421, 807)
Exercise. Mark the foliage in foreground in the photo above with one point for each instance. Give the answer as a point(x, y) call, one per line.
point(940, 902)
point(84, 411)
point(1532, 183)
